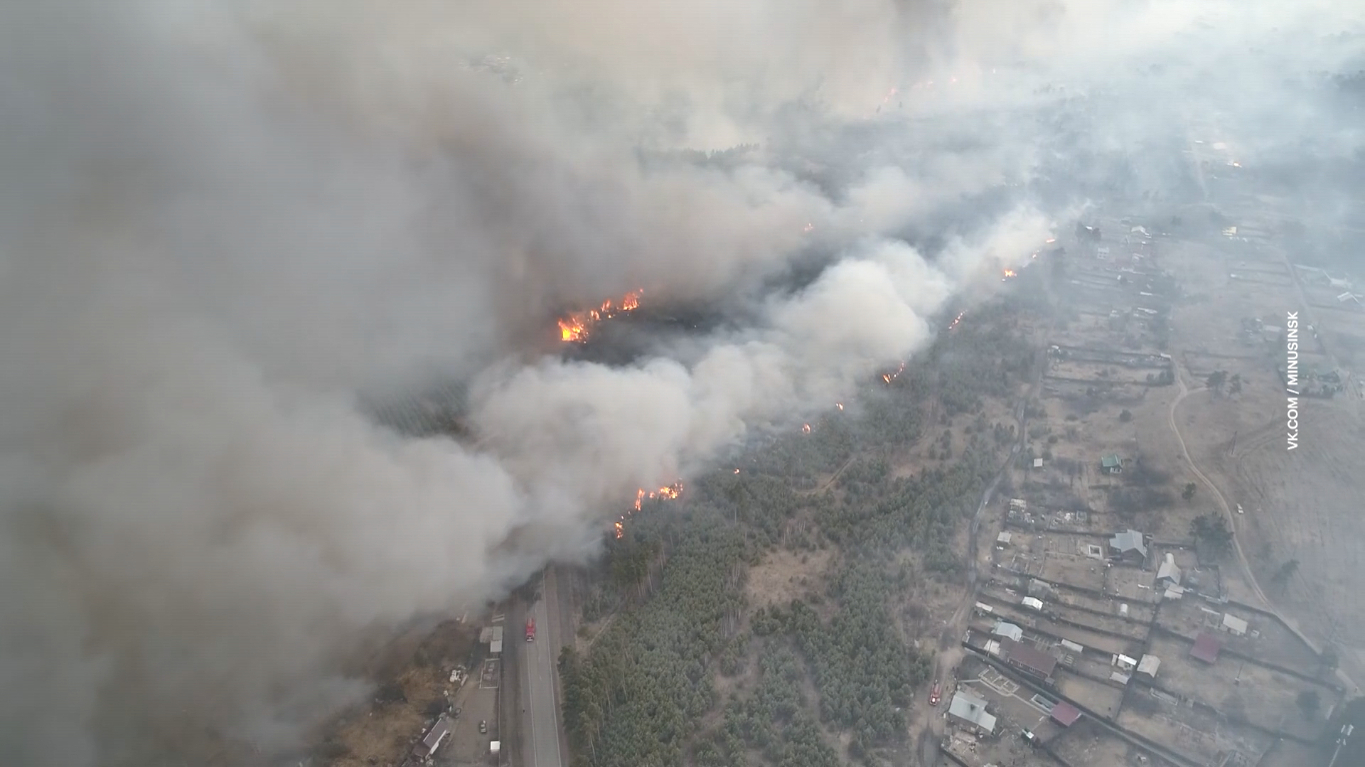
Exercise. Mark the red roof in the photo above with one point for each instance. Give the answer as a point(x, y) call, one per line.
point(1206, 648)
point(1065, 714)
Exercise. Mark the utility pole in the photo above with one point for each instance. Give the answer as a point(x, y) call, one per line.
point(1346, 730)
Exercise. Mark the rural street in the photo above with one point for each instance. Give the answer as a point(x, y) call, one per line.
point(950, 650)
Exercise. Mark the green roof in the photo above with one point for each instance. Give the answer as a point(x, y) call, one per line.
point(1110, 461)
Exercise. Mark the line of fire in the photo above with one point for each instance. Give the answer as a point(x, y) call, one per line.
point(575, 327)
point(666, 493)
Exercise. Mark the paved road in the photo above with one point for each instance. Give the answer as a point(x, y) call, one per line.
point(540, 706)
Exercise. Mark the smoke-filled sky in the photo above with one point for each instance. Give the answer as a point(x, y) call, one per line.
point(221, 223)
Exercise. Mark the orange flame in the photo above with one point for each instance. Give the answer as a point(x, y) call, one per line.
point(1009, 273)
point(1051, 240)
point(839, 405)
point(572, 329)
point(576, 326)
point(667, 493)
point(808, 228)
point(805, 428)
point(956, 320)
point(889, 377)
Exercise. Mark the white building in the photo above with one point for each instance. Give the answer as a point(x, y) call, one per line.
point(1234, 625)
point(433, 740)
point(1006, 629)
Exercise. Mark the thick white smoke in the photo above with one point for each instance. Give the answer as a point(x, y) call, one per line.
point(220, 222)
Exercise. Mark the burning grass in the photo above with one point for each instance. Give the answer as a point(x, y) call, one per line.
point(575, 327)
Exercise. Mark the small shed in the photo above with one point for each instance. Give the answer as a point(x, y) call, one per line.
point(1037, 463)
point(1149, 665)
point(1065, 714)
point(1234, 625)
point(1111, 464)
point(1033, 602)
point(1003, 539)
point(1006, 629)
point(1206, 648)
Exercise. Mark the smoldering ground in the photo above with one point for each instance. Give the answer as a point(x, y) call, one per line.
point(222, 222)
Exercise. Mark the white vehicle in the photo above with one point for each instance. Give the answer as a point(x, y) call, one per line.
point(1239, 508)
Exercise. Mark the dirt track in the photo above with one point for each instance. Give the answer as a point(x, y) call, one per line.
point(1301, 504)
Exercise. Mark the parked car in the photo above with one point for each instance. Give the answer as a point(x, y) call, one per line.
point(483, 726)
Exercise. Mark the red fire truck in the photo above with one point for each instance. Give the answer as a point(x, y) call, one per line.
point(530, 629)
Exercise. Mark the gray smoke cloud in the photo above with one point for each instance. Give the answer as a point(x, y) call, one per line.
point(221, 223)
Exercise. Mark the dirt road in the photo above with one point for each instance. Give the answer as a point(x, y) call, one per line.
point(1233, 525)
point(950, 648)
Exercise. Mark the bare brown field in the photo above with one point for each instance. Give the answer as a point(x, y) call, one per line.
point(786, 575)
point(1195, 734)
point(1086, 742)
point(1238, 689)
point(1101, 698)
point(1272, 643)
point(1287, 753)
point(1299, 505)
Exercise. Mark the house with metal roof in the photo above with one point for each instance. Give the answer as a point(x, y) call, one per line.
point(1169, 573)
point(437, 735)
point(970, 711)
point(1111, 464)
point(1129, 546)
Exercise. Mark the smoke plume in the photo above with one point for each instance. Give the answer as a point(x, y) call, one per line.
point(222, 224)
